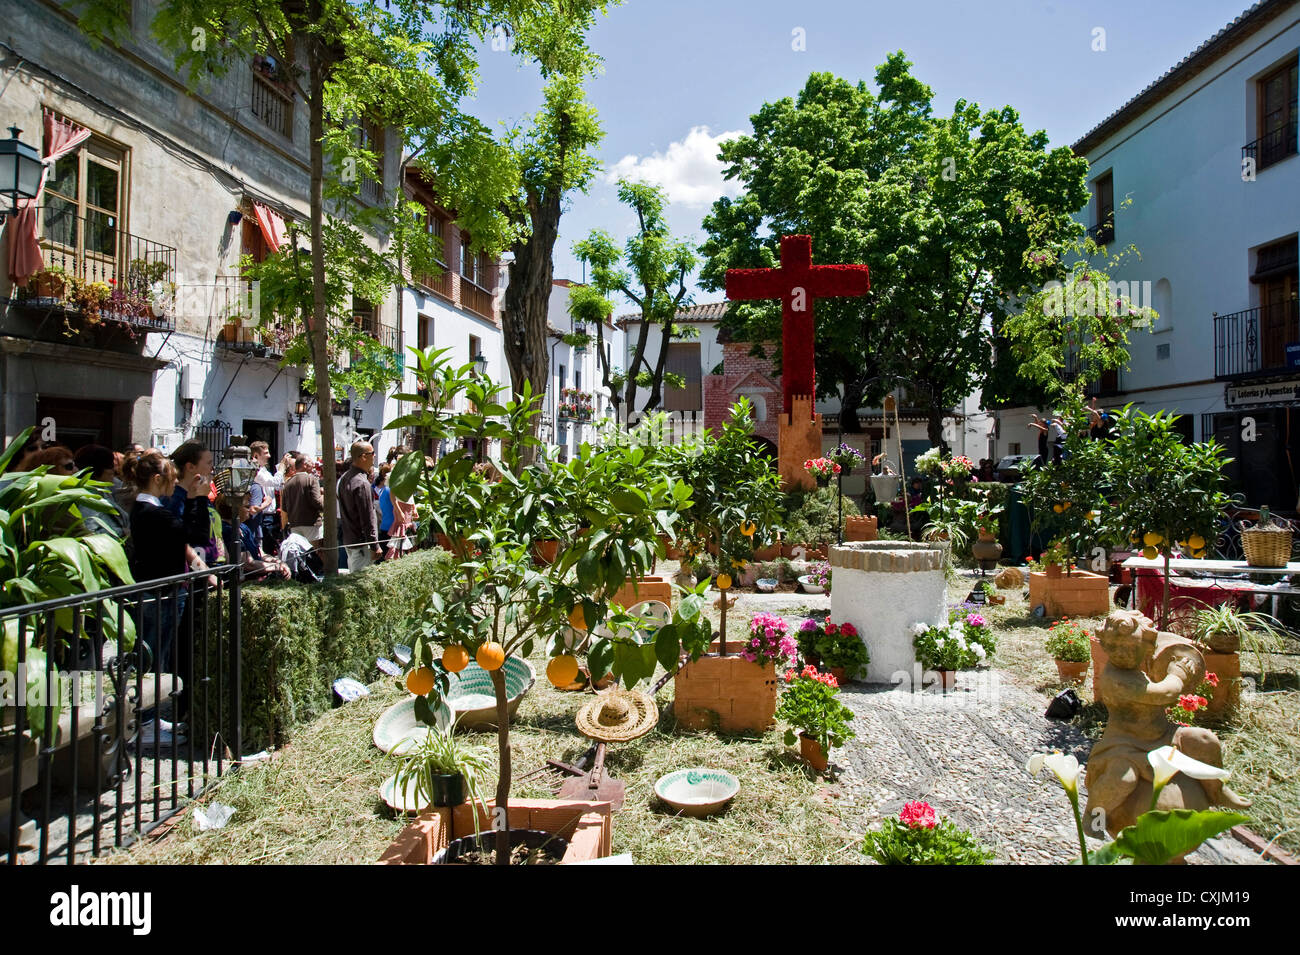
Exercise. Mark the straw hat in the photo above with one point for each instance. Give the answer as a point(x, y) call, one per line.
point(618, 715)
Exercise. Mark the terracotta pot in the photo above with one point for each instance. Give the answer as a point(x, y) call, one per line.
point(770, 552)
point(49, 285)
point(229, 332)
point(986, 550)
point(812, 752)
point(787, 550)
point(838, 673)
point(461, 548)
point(1227, 695)
point(813, 659)
point(1071, 671)
point(947, 679)
point(545, 551)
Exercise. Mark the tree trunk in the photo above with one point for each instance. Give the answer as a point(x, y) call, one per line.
point(657, 381)
point(850, 402)
point(934, 428)
point(614, 399)
point(502, 810)
point(527, 299)
point(633, 367)
point(319, 330)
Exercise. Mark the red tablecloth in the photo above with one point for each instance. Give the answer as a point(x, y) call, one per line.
point(1193, 595)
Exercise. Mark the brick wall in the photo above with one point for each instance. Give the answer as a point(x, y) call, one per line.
point(723, 391)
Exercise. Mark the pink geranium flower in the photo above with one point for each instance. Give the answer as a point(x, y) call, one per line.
point(918, 815)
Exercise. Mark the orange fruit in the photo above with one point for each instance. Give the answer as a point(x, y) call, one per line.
point(748, 528)
point(562, 670)
point(1150, 553)
point(1152, 539)
point(1057, 508)
point(576, 619)
point(455, 658)
point(724, 581)
point(490, 656)
point(1196, 542)
point(420, 681)
point(1067, 505)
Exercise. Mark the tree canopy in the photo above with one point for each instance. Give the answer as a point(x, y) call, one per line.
point(937, 207)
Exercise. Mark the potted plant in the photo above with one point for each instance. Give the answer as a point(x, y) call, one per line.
point(808, 705)
point(836, 647)
point(1070, 647)
point(821, 469)
point(50, 282)
point(1226, 632)
point(818, 578)
point(848, 458)
point(443, 771)
point(769, 641)
point(920, 837)
point(945, 650)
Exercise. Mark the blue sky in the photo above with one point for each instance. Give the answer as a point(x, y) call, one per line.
point(678, 75)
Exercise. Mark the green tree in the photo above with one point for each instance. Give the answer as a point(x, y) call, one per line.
point(404, 63)
point(651, 273)
point(928, 203)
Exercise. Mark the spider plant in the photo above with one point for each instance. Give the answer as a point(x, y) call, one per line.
point(440, 753)
point(1227, 629)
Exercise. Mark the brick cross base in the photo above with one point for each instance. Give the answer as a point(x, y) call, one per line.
point(800, 438)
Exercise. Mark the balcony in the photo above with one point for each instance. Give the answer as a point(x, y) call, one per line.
point(439, 283)
point(1103, 233)
point(1272, 147)
point(102, 274)
point(1253, 343)
point(475, 299)
point(235, 304)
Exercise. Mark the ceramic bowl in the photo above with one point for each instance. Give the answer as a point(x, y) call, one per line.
point(473, 701)
point(697, 792)
point(766, 585)
point(409, 801)
point(806, 582)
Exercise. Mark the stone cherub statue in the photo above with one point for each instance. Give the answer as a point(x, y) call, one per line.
point(1147, 670)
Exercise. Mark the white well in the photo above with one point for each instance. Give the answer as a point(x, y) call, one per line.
point(883, 588)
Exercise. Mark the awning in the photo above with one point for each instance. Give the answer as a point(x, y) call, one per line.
point(25, 260)
point(272, 225)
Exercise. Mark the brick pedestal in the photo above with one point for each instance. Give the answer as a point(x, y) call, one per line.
point(860, 528)
point(588, 827)
point(644, 588)
point(1077, 594)
point(728, 693)
point(799, 439)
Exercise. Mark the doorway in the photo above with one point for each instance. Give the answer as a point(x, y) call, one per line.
point(79, 422)
point(268, 431)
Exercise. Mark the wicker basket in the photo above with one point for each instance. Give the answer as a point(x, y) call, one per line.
point(1267, 548)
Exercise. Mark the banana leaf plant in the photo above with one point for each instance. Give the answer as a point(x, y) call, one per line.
point(45, 553)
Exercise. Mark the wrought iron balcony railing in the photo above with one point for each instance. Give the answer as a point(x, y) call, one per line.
point(96, 270)
point(1272, 147)
point(1103, 233)
point(1253, 342)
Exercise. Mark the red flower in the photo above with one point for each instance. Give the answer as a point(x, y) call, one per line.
point(1191, 702)
point(789, 676)
point(831, 629)
point(918, 815)
point(848, 630)
point(1212, 679)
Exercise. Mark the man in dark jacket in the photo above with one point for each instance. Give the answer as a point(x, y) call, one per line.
point(357, 509)
point(303, 500)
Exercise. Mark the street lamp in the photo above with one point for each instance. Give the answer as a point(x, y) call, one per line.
point(356, 415)
point(20, 170)
point(300, 409)
point(234, 476)
point(480, 363)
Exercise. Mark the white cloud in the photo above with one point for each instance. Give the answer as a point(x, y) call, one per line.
point(689, 169)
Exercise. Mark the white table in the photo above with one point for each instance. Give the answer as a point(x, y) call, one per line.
point(1220, 574)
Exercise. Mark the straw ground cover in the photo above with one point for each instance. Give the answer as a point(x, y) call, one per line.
point(317, 801)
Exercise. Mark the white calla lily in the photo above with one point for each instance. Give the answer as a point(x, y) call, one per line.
point(1168, 762)
point(1064, 766)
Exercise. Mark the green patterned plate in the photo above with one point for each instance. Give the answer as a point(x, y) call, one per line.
point(697, 792)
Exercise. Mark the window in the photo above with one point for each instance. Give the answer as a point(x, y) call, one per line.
point(1013, 447)
point(370, 137)
point(82, 213)
point(577, 378)
point(1103, 230)
point(1275, 97)
point(423, 324)
point(1162, 352)
point(1277, 273)
point(563, 376)
point(363, 316)
point(684, 360)
point(272, 98)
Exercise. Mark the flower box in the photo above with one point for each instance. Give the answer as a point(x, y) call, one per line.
point(1078, 594)
point(1226, 696)
point(860, 528)
point(727, 693)
point(588, 827)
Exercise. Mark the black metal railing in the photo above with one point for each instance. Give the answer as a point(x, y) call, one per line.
point(81, 771)
point(1254, 341)
point(1273, 146)
point(101, 272)
point(1103, 233)
point(272, 105)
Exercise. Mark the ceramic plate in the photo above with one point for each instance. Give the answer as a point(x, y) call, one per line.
point(397, 730)
point(697, 792)
point(410, 801)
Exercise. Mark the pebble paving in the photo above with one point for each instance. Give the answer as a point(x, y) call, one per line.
point(964, 752)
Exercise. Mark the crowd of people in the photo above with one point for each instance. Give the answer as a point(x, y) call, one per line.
point(1053, 429)
point(171, 518)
